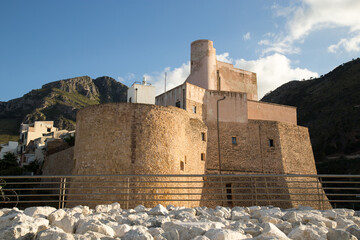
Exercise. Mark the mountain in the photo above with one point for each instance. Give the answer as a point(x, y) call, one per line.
point(58, 101)
point(330, 107)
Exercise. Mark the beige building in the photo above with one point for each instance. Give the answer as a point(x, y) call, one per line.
point(33, 139)
point(211, 124)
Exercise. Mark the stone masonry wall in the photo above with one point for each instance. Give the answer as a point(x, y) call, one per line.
point(237, 80)
point(289, 152)
point(271, 112)
point(126, 138)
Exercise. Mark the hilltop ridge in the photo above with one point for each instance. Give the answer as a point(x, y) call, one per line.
point(58, 101)
point(330, 107)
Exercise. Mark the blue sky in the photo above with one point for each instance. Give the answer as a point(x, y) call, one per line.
point(44, 41)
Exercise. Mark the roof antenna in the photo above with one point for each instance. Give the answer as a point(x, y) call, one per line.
point(165, 81)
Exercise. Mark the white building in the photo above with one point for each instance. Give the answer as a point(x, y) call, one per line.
point(29, 132)
point(33, 139)
point(141, 93)
point(8, 147)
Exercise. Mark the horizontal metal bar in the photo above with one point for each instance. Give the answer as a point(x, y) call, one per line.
point(186, 175)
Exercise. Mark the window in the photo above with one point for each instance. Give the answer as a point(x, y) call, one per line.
point(194, 109)
point(48, 129)
point(130, 100)
point(202, 156)
point(271, 143)
point(203, 137)
point(233, 140)
point(182, 166)
point(178, 104)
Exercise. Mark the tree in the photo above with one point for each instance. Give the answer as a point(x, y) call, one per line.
point(9, 160)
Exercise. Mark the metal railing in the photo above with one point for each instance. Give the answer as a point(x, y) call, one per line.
point(318, 191)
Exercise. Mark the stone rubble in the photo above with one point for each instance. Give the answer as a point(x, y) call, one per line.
point(178, 223)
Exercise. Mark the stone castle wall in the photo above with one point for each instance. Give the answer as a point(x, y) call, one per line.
point(236, 80)
point(126, 138)
point(271, 112)
point(289, 152)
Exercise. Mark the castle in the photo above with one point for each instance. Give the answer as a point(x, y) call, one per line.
point(213, 123)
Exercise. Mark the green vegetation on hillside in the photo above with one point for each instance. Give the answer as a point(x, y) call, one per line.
point(329, 107)
point(58, 101)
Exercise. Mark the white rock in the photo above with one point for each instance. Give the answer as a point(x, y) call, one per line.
point(344, 212)
point(356, 220)
point(54, 233)
point(224, 234)
point(239, 215)
point(304, 232)
point(156, 221)
point(292, 217)
point(343, 222)
point(285, 227)
point(107, 207)
point(138, 234)
point(189, 230)
point(22, 227)
point(85, 210)
point(171, 207)
point(173, 235)
point(222, 212)
point(265, 211)
point(61, 219)
point(329, 214)
point(269, 219)
point(200, 238)
point(337, 234)
point(39, 211)
point(319, 220)
point(119, 229)
point(95, 226)
point(271, 231)
point(140, 208)
point(158, 210)
point(354, 230)
point(155, 231)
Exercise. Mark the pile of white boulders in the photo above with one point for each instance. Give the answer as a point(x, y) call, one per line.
point(201, 223)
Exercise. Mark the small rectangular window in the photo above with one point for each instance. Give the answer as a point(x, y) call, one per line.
point(271, 143)
point(194, 109)
point(182, 166)
point(178, 104)
point(203, 136)
point(202, 156)
point(48, 129)
point(233, 140)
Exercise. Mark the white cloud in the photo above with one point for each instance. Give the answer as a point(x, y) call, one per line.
point(273, 71)
point(130, 76)
point(174, 77)
point(312, 15)
point(120, 79)
point(247, 36)
point(350, 45)
point(224, 58)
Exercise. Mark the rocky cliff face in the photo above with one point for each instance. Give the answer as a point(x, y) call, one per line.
point(58, 101)
point(330, 107)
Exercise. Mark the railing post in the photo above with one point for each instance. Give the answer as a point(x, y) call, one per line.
point(318, 189)
point(322, 194)
point(128, 193)
point(63, 193)
point(60, 192)
point(256, 201)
